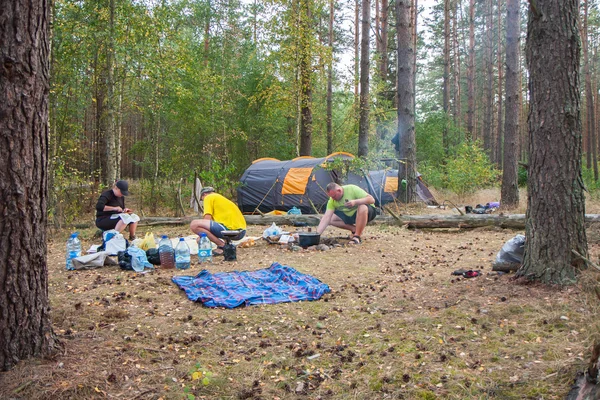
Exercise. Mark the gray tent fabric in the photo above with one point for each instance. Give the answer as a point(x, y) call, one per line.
point(263, 185)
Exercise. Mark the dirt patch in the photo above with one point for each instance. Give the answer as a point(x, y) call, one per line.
point(396, 324)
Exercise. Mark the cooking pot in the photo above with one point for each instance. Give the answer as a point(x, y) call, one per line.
point(307, 239)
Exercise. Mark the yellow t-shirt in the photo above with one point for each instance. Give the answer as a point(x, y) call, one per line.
point(224, 211)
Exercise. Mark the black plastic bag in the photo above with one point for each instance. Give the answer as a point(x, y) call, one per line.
point(153, 256)
point(124, 260)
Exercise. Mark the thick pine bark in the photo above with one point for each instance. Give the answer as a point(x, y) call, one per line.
point(555, 203)
point(406, 102)
point(25, 328)
point(510, 189)
point(363, 127)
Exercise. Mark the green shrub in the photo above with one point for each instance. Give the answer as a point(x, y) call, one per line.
point(470, 169)
point(522, 176)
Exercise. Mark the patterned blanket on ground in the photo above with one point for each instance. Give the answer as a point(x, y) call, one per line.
point(276, 284)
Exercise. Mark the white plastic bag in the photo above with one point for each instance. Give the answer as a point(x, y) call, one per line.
point(116, 242)
point(273, 230)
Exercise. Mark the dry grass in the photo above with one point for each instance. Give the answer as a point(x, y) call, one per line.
point(396, 325)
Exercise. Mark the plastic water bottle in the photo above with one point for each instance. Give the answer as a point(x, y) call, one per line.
point(204, 249)
point(73, 250)
point(166, 253)
point(182, 255)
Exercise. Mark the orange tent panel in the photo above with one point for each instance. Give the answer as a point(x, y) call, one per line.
point(295, 181)
point(391, 184)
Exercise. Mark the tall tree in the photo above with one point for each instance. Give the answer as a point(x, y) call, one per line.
point(25, 327)
point(330, 81)
point(471, 72)
point(446, 81)
point(305, 73)
point(488, 117)
point(500, 128)
point(589, 96)
point(363, 127)
point(510, 189)
point(555, 202)
point(407, 152)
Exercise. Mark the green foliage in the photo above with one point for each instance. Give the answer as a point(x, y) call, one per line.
point(469, 170)
point(591, 185)
point(522, 176)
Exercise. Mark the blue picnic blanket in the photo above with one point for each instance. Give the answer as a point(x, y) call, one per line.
point(276, 284)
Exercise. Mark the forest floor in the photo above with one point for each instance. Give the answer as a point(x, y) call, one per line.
point(396, 325)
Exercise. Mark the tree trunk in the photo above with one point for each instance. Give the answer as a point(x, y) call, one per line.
point(306, 119)
point(446, 80)
point(406, 103)
point(111, 136)
point(330, 81)
point(555, 202)
point(456, 70)
point(510, 190)
point(356, 49)
point(589, 94)
point(500, 126)
point(471, 71)
point(488, 123)
point(363, 128)
point(25, 327)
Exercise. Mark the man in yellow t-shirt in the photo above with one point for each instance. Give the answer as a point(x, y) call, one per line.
point(220, 214)
point(349, 207)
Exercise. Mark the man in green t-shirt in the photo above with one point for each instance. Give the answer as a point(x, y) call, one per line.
point(349, 207)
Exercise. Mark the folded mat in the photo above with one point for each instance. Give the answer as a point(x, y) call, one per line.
point(276, 284)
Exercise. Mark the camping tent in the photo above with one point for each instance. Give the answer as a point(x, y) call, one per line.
point(270, 184)
point(383, 186)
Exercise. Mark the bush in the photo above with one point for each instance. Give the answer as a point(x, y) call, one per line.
point(469, 170)
point(522, 176)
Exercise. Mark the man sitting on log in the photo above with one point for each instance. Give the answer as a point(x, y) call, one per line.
point(349, 207)
point(220, 214)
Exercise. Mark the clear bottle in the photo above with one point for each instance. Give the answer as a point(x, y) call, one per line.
point(73, 250)
point(166, 253)
point(182, 255)
point(204, 249)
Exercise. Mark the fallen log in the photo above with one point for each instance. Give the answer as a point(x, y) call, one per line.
point(432, 221)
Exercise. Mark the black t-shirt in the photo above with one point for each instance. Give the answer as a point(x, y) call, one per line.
point(108, 198)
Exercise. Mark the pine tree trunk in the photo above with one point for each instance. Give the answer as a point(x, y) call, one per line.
point(555, 203)
point(305, 80)
point(500, 126)
point(111, 150)
point(589, 95)
point(488, 123)
point(471, 72)
point(510, 190)
point(446, 78)
point(406, 102)
point(456, 68)
point(25, 327)
point(330, 81)
point(363, 127)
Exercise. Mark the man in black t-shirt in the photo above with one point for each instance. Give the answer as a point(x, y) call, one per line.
point(112, 202)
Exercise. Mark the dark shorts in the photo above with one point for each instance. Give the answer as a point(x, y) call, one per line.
point(216, 229)
point(106, 224)
point(352, 220)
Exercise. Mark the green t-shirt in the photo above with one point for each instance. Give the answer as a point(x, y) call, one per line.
point(351, 192)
